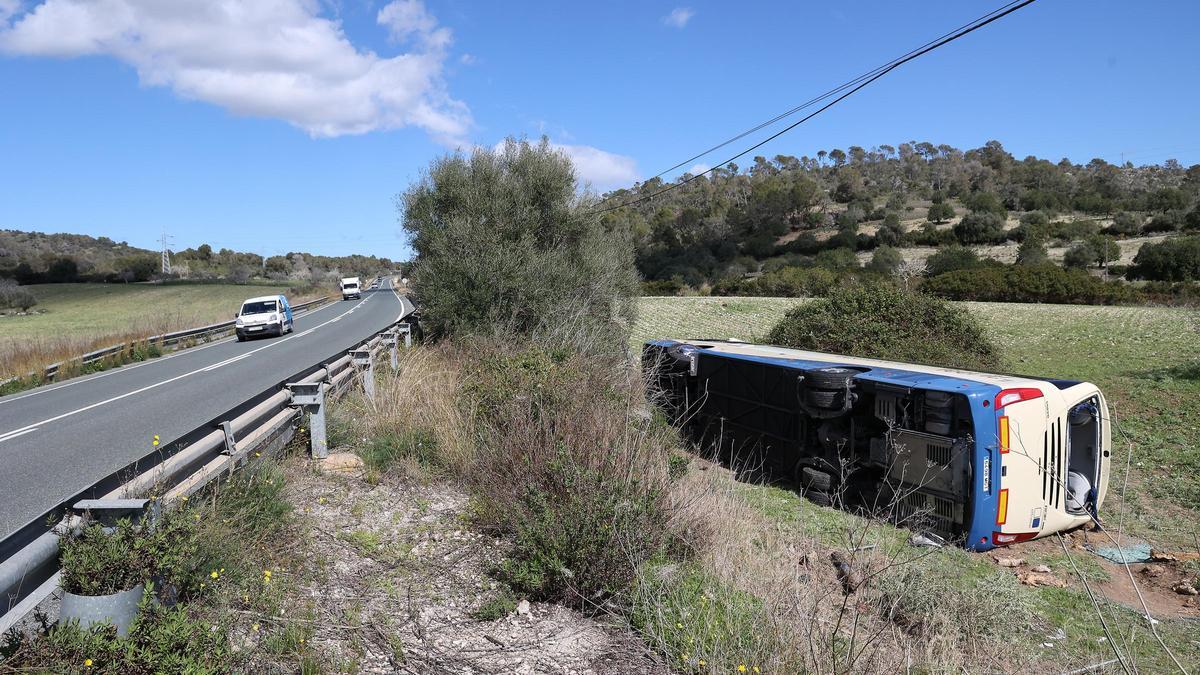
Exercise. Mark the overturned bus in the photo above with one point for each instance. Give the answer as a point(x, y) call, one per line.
point(985, 459)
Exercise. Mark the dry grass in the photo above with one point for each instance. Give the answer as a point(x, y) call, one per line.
point(73, 319)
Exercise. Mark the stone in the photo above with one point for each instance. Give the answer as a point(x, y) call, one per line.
point(342, 462)
point(1010, 562)
point(1041, 569)
point(523, 608)
point(1184, 588)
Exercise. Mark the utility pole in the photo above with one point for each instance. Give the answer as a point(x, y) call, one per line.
point(166, 253)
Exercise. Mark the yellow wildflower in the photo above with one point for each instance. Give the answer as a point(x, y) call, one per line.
point(678, 625)
point(254, 628)
point(741, 667)
point(756, 669)
point(701, 662)
point(214, 574)
point(87, 663)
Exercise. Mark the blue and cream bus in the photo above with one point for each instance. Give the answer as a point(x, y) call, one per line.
point(986, 459)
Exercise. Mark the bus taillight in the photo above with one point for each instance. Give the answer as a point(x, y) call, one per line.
point(1010, 396)
point(1006, 538)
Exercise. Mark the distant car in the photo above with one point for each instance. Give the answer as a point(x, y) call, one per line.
point(266, 315)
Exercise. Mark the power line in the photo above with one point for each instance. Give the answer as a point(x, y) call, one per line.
point(831, 92)
point(854, 86)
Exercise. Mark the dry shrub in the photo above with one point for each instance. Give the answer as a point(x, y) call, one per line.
point(421, 399)
point(571, 466)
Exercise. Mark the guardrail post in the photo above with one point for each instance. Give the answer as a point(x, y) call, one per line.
point(363, 361)
point(230, 442)
point(406, 330)
point(310, 396)
point(390, 339)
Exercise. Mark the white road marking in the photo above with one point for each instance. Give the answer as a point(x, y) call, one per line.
point(14, 434)
point(126, 368)
point(34, 427)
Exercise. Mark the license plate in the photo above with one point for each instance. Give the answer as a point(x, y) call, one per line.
point(255, 328)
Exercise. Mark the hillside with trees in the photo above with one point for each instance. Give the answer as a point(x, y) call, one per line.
point(35, 257)
point(911, 211)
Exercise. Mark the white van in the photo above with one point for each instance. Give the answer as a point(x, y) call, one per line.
point(351, 288)
point(266, 315)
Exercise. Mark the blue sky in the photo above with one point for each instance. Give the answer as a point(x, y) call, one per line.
point(283, 125)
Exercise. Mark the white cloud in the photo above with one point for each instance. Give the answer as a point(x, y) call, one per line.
point(679, 17)
point(467, 60)
point(409, 20)
point(8, 8)
point(698, 169)
point(599, 169)
point(603, 170)
point(262, 58)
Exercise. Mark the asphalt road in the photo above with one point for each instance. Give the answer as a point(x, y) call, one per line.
point(59, 439)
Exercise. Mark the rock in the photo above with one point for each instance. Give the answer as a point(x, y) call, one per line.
point(342, 462)
point(1038, 579)
point(1010, 562)
point(1041, 569)
point(1154, 570)
point(1184, 588)
point(523, 608)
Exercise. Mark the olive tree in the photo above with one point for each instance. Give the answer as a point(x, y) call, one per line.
point(506, 243)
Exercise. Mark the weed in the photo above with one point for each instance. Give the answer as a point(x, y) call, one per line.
point(384, 450)
point(367, 542)
point(496, 607)
point(701, 623)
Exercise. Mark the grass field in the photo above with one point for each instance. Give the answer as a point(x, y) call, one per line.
point(71, 319)
point(1145, 359)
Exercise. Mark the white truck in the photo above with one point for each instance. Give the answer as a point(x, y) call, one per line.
point(351, 288)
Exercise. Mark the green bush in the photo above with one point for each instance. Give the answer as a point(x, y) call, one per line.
point(1170, 221)
point(889, 323)
point(1125, 224)
point(505, 245)
point(96, 562)
point(13, 296)
point(1028, 283)
point(980, 228)
point(951, 258)
point(662, 287)
point(789, 282)
point(1176, 259)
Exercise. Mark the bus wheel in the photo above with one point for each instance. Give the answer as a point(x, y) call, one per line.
point(819, 498)
point(815, 479)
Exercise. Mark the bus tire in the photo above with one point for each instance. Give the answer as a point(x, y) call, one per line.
point(815, 479)
point(819, 498)
point(833, 377)
point(821, 398)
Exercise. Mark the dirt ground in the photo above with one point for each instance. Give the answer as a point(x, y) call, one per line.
point(396, 577)
point(1155, 583)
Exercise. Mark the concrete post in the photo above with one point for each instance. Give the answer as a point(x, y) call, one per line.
point(406, 331)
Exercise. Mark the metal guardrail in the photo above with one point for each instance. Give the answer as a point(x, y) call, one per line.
point(29, 576)
point(50, 372)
